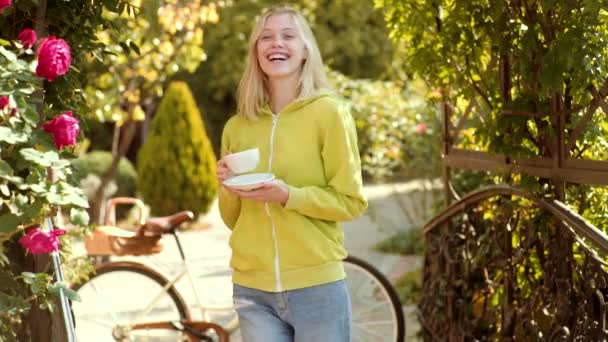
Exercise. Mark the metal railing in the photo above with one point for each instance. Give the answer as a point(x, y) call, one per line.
point(502, 264)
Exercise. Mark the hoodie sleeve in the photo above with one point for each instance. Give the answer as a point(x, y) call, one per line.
point(342, 198)
point(229, 203)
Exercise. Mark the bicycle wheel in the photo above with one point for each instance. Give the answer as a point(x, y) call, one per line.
point(377, 311)
point(121, 294)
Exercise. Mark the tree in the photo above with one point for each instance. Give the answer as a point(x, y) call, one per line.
point(161, 39)
point(176, 165)
point(529, 78)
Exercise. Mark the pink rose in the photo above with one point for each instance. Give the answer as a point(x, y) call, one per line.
point(3, 102)
point(4, 4)
point(38, 242)
point(420, 129)
point(28, 38)
point(64, 129)
point(54, 58)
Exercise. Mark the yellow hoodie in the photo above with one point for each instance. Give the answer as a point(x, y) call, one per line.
point(312, 146)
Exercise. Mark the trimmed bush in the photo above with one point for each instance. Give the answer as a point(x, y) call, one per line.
point(176, 165)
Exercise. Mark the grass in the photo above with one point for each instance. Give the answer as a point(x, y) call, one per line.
point(409, 286)
point(409, 242)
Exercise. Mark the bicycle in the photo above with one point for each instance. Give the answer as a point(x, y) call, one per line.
point(154, 299)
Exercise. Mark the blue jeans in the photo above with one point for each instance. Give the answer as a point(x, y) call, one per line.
point(317, 313)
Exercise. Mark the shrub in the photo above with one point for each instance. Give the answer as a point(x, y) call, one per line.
point(176, 165)
point(97, 162)
point(388, 116)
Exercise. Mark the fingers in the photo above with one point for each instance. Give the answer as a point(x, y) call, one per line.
point(222, 172)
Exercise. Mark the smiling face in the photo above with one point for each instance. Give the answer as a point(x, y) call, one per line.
point(280, 48)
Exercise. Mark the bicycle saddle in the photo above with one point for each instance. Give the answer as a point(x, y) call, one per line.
point(165, 224)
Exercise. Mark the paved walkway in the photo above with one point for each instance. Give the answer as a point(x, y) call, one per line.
point(393, 208)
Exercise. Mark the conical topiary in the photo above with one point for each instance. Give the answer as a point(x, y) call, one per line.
point(176, 165)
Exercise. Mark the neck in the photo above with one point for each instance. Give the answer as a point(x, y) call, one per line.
point(283, 91)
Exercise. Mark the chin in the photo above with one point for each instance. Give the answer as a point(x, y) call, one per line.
point(279, 73)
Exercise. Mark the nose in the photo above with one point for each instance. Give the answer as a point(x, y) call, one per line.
point(277, 42)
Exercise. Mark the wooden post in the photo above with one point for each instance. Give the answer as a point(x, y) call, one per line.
point(563, 250)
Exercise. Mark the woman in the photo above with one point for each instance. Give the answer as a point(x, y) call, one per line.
point(287, 245)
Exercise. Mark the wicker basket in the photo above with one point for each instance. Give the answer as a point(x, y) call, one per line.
point(112, 240)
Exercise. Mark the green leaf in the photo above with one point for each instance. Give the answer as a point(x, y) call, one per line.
point(5, 190)
point(9, 136)
point(5, 169)
point(37, 188)
point(57, 287)
point(45, 159)
point(28, 277)
point(8, 54)
point(26, 91)
point(78, 200)
point(32, 212)
point(11, 305)
point(71, 294)
point(8, 223)
point(56, 199)
point(30, 117)
point(125, 47)
point(36, 287)
point(134, 47)
point(79, 217)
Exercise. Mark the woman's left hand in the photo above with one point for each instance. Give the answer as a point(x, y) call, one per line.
point(273, 191)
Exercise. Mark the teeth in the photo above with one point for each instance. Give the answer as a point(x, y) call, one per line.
point(277, 56)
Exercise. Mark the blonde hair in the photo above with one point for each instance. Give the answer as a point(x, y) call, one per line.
point(253, 92)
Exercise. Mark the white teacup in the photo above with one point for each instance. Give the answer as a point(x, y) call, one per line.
point(244, 161)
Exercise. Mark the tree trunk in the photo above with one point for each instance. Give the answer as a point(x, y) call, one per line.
point(122, 146)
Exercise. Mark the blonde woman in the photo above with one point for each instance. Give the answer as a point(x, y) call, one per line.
point(287, 244)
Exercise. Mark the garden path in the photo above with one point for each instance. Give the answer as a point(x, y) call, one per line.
point(393, 208)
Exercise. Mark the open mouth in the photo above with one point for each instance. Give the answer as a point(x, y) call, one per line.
point(274, 57)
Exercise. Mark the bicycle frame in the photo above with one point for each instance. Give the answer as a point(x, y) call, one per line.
point(188, 272)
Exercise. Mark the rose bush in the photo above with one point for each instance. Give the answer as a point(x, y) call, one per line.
point(37, 241)
point(64, 129)
point(4, 4)
point(4, 101)
point(34, 174)
point(28, 38)
point(54, 58)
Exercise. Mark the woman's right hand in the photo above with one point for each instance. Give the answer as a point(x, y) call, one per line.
point(222, 171)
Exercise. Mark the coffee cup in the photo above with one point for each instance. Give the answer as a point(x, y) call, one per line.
point(243, 161)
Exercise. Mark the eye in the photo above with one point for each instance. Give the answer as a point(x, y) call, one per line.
point(265, 37)
point(289, 36)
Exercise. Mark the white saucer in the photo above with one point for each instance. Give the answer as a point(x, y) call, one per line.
point(248, 181)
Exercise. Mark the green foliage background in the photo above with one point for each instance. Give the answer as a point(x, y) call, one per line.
point(550, 47)
point(338, 27)
point(176, 165)
point(97, 162)
point(520, 56)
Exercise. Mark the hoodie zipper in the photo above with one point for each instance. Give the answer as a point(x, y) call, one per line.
point(277, 272)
